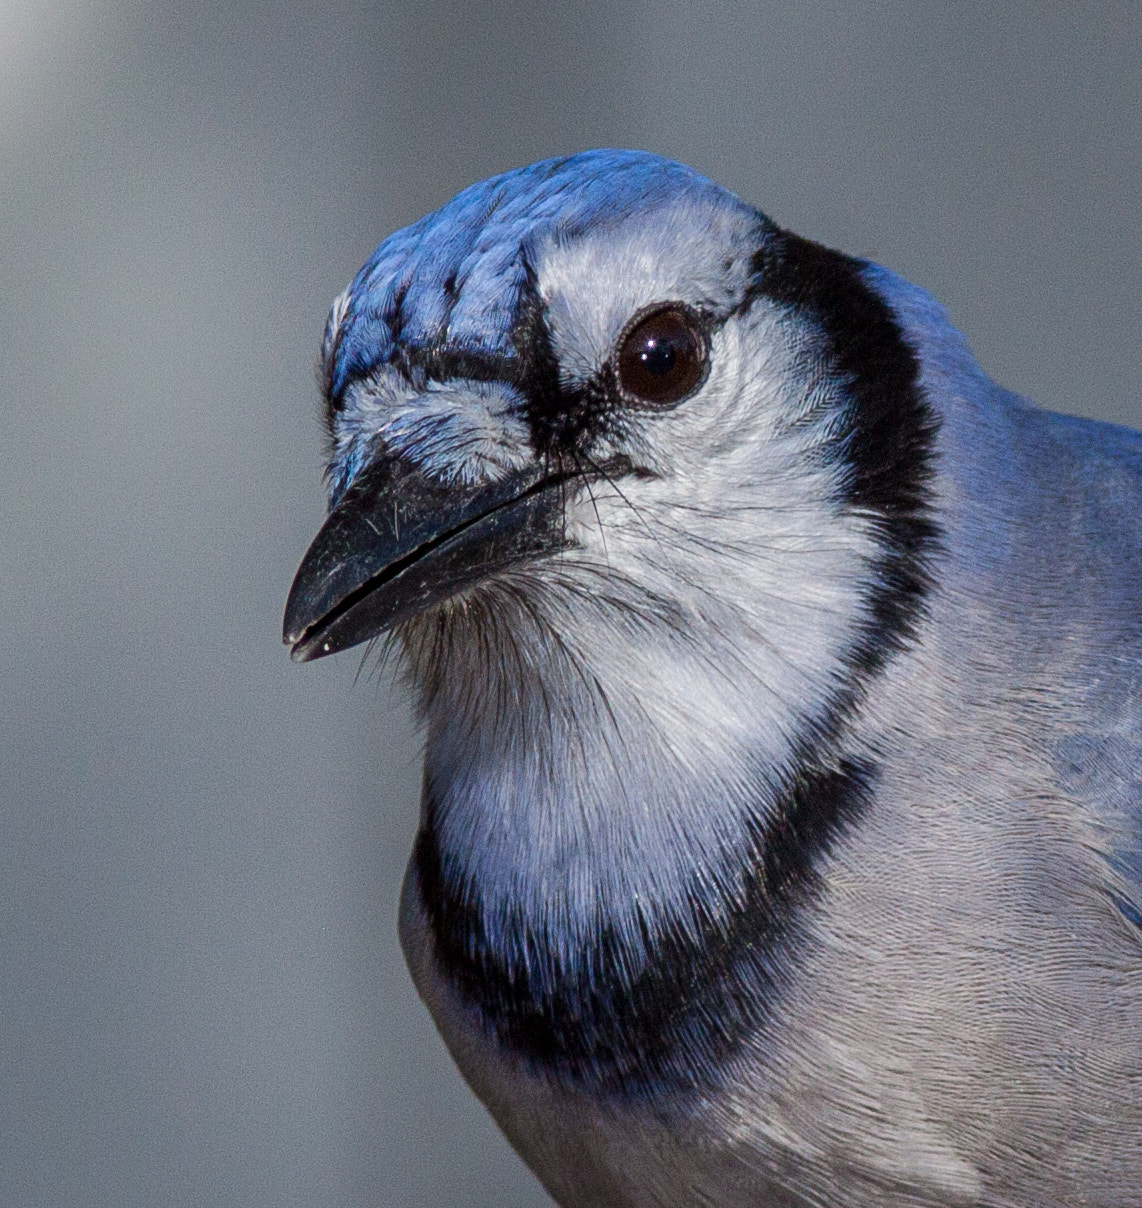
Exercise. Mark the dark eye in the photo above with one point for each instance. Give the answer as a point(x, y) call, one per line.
point(662, 358)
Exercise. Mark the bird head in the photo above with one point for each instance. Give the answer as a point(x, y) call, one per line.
point(608, 443)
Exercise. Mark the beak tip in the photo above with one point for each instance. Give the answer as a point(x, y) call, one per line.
point(297, 621)
point(305, 647)
point(293, 636)
point(300, 650)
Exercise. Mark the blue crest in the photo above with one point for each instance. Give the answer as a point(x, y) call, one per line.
point(456, 274)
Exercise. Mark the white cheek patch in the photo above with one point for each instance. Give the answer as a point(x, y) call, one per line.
point(459, 431)
point(743, 524)
point(594, 284)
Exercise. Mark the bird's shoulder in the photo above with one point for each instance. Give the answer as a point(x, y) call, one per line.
point(1096, 550)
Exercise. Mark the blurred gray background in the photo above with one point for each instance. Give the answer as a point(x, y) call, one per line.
point(202, 1001)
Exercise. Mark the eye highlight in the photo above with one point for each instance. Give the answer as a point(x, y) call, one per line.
point(661, 359)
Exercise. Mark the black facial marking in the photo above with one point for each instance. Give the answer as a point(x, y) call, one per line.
point(564, 421)
point(710, 981)
point(441, 363)
point(887, 440)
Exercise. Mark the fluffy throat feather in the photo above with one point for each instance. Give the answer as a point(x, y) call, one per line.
point(596, 879)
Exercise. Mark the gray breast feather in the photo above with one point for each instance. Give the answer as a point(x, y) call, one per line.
point(1104, 772)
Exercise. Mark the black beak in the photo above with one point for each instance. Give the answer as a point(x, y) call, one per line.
point(398, 542)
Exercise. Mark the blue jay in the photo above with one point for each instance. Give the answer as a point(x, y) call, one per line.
point(781, 679)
